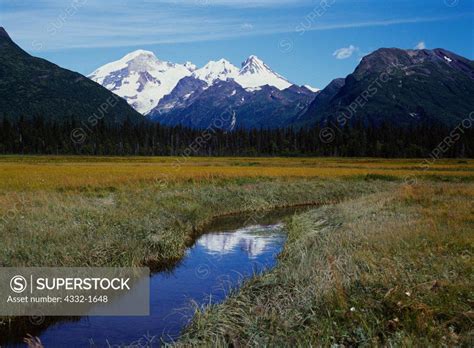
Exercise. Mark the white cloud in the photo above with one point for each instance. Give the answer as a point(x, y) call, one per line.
point(420, 45)
point(345, 52)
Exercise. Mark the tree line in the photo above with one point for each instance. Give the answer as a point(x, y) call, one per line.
point(38, 136)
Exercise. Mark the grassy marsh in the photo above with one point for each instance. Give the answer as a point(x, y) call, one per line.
point(347, 267)
point(379, 270)
point(143, 225)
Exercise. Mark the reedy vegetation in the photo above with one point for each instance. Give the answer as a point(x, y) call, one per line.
point(381, 241)
point(386, 269)
point(145, 224)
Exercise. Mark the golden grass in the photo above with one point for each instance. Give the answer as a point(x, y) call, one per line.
point(52, 173)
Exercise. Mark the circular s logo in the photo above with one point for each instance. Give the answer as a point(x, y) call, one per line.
point(285, 45)
point(327, 135)
point(78, 136)
point(18, 284)
point(203, 271)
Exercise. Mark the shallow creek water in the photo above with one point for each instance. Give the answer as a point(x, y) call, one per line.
point(231, 250)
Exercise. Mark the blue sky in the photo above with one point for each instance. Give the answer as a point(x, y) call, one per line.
point(307, 41)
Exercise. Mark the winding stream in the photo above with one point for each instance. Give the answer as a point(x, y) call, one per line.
point(231, 250)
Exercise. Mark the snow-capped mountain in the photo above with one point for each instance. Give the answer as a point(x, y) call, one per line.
point(155, 87)
point(312, 89)
point(255, 74)
point(141, 78)
point(190, 66)
point(213, 71)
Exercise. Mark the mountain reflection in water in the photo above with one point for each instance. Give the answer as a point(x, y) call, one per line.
point(219, 260)
point(253, 240)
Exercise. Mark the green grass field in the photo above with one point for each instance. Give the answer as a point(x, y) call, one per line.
point(386, 259)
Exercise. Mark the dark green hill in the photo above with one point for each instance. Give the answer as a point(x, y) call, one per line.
point(399, 87)
point(33, 87)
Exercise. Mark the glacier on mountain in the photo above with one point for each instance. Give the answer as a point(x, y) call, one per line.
point(144, 80)
point(141, 78)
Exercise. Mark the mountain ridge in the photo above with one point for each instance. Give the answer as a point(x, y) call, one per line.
point(135, 78)
point(3, 33)
point(34, 87)
point(434, 86)
point(401, 87)
point(265, 108)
